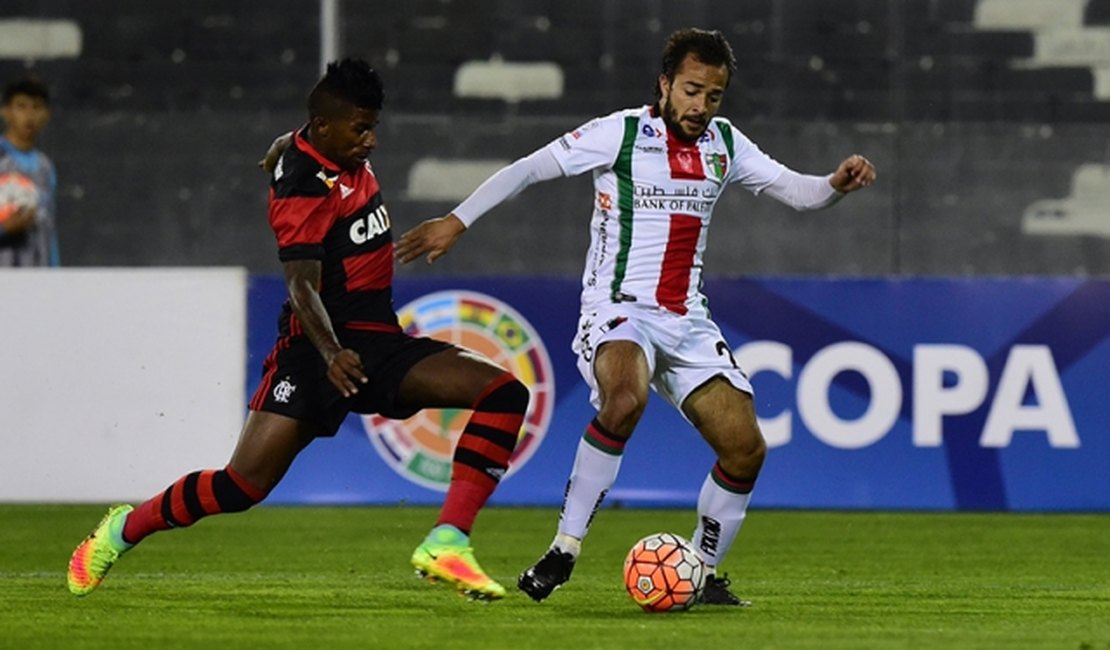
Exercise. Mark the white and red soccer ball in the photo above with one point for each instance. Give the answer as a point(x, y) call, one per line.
point(664, 573)
point(16, 191)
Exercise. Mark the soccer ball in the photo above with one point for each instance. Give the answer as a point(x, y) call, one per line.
point(663, 573)
point(16, 191)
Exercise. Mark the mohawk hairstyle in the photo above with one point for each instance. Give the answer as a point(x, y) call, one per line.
point(709, 47)
point(350, 80)
point(30, 86)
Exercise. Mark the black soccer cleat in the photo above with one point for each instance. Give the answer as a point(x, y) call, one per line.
point(716, 592)
point(545, 576)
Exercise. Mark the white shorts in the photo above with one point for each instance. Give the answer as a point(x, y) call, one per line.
point(683, 352)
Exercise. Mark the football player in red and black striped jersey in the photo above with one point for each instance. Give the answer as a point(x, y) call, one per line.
point(339, 349)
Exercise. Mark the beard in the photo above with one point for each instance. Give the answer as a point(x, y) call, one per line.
point(678, 127)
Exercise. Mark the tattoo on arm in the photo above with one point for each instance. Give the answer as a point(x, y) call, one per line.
point(302, 278)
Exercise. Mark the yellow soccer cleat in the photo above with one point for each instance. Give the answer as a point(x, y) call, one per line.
point(93, 558)
point(446, 555)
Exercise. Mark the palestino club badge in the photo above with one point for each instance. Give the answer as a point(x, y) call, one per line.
point(421, 447)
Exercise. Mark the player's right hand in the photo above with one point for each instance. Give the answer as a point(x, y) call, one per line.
point(434, 237)
point(344, 370)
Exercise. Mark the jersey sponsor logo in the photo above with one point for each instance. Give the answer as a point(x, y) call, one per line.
point(697, 199)
point(420, 448)
point(604, 201)
point(284, 391)
point(325, 179)
point(370, 226)
point(651, 132)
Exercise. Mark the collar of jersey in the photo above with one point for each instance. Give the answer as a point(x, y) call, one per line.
point(304, 145)
point(26, 162)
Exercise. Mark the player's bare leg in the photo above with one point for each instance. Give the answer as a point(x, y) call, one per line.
point(725, 417)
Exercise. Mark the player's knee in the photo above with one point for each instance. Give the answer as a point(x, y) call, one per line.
point(745, 456)
point(621, 410)
point(511, 396)
point(756, 451)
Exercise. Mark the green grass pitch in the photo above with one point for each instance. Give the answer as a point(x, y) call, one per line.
point(280, 577)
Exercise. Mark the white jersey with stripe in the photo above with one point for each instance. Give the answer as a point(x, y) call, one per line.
point(653, 200)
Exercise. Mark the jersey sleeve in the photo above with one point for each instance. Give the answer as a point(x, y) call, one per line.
point(750, 167)
point(592, 145)
point(300, 211)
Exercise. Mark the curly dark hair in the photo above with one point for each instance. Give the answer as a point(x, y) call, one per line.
point(709, 47)
point(30, 86)
point(350, 80)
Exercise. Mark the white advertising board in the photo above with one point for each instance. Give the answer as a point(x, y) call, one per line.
point(114, 382)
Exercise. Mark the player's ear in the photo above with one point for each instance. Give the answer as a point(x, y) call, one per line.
point(664, 88)
point(320, 125)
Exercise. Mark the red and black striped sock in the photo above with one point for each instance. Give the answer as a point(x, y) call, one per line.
point(190, 498)
point(483, 451)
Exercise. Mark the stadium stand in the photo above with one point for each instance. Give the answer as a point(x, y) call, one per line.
point(187, 95)
point(799, 59)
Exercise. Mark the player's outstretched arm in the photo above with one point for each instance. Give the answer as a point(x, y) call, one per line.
point(433, 237)
point(856, 172)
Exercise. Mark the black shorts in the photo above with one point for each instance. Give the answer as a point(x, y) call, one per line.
point(295, 383)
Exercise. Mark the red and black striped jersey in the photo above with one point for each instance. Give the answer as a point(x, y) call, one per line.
point(321, 212)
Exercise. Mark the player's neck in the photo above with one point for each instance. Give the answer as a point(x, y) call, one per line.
point(25, 145)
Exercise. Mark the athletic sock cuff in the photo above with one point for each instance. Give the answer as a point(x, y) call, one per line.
point(599, 437)
point(256, 494)
point(497, 398)
point(731, 483)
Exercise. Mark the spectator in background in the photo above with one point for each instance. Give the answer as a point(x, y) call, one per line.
point(27, 235)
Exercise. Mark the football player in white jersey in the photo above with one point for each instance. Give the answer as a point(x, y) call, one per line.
point(658, 171)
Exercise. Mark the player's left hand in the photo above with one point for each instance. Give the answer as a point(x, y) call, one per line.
point(344, 369)
point(854, 173)
point(273, 154)
point(433, 237)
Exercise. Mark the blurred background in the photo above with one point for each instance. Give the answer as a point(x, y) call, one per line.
point(987, 120)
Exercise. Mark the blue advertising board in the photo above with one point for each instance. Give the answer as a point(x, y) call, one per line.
point(932, 394)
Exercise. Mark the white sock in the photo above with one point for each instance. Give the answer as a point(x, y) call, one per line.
point(721, 512)
point(567, 544)
point(593, 474)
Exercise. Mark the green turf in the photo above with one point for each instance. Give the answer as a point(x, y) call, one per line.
point(339, 578)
